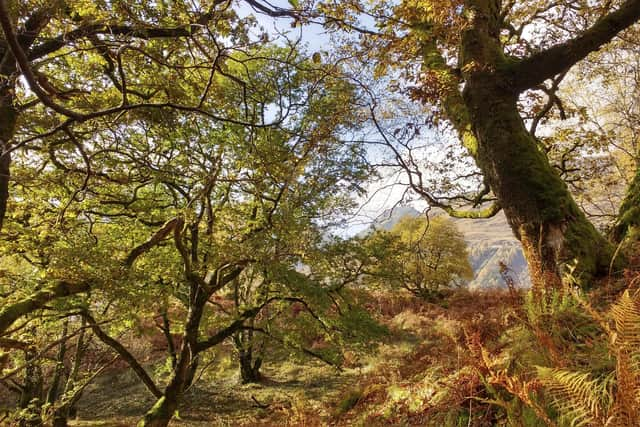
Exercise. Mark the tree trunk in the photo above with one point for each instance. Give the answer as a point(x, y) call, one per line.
point(553, 231)
point(59, 420)
point(68, 408)
point(7, 126)
point(628, 224)
point(249, 368)
point(31, 398)
point(184, 371)
point(162, 412)
point(164, 408)
point(54, 389)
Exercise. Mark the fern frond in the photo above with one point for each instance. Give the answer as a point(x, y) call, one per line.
point(626, 315)
point(626, 344)
point(579, 398)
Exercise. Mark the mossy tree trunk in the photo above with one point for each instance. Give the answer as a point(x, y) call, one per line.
point(627, 226)
point(68, 408)
point(27, 33)
point(539, 208)
point(8, 116)
point(541, 212)
point(54, 393)
point(250, 367)
point(163, 410)
point(249, 357)
point(187, 359)
point(31, 397)
point(37, 300)
point(184, 371)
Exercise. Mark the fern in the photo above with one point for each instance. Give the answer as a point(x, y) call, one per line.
point(612, 400)
point(579, 398)
point(626, 344)
point(626, 315)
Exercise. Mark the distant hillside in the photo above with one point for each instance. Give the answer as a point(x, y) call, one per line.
point(490, 241)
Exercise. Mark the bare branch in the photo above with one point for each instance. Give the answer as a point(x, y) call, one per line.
point(124, 353)
point(544, 65)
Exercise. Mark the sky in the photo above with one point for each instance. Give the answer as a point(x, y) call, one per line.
point(313, 35)
point(384, 193)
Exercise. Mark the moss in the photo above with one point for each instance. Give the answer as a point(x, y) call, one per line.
point(158, 412)
point(13, 312)
point(451, 98)
point(589, 248)
point(349, 401)
point(629, 215)
point(537, 201)
point(8, 116)
point(487, 212)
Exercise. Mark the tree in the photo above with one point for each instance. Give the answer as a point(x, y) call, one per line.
point(420, 255)
point(84, 62)
point(169, 209)
point(595, 145)
point(95, 48)
point(474, 60)
point(56, 372)
point(308, 317)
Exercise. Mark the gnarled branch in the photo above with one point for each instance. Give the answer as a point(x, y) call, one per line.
point(12, 312)
point(124, 353)
point(544, 65)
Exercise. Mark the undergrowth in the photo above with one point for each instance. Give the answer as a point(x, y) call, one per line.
point(507, 358)
point(475, 359)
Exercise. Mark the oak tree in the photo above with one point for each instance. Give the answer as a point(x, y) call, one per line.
point(475, 64)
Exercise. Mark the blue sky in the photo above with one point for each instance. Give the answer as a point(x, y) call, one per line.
point(383, 194)
point(313, 35)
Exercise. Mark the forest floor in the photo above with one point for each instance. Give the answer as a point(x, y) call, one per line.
point(391, 386)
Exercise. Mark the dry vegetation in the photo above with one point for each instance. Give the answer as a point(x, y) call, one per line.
point(474, 359)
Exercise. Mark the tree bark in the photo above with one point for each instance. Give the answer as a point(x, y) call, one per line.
point(553, 231)
point(124, 353)
point(31, 397)
point(8, 116)
point(37, 300)
point(183, 373)
point(68, 408)
point(54, 389)
point(543, 215)
point(162, 411)
point(249, 363)
point(628, 223)
point(249, 367)
point(59, 420)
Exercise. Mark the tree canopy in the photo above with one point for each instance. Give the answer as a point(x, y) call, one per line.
point(420, 255)
point(176, 161)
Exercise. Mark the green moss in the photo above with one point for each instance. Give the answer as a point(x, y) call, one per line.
point(349, 401)
point(8, 116)
point(589, 248)
point(628, 222)
point(159, 411)
point(11, 313)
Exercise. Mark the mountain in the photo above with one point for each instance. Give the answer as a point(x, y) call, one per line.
point(489, 242)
